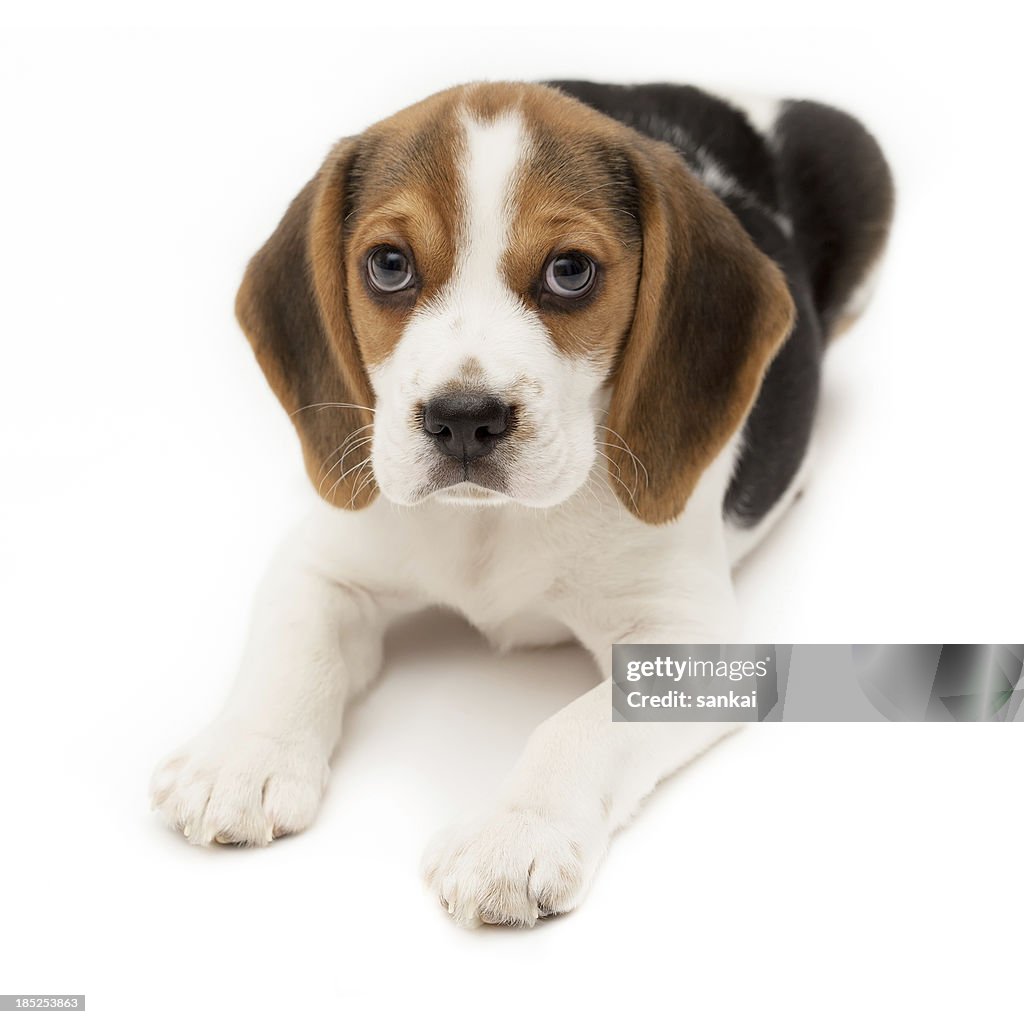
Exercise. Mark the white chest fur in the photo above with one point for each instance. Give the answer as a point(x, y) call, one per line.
point(520, 575)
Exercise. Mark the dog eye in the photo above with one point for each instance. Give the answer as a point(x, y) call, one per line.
point(389, 269)
point(569, 275)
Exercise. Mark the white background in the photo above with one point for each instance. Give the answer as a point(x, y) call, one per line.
point(798, 872)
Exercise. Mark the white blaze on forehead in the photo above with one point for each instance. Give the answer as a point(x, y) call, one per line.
point(477, 315)
point(494, 151)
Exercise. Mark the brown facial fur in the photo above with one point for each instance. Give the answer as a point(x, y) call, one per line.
point(576, 193)
point(686, 312)
point(405, 192)
point(303, 303)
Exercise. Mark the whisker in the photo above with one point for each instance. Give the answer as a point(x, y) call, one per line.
point(591, 492)
point(358, 491)
point(614, 470)
point(352, 469)
point(338, 482)
point(333, 405)
point(602, 479)
point(627, 449)
point(348, 437)
point(614, 473)
point(636, 461)
point(341, 461)
point(348, 445)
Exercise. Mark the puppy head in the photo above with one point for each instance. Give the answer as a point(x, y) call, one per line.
point(482, 295)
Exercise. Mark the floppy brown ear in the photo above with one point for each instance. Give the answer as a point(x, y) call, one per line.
point(293, 310)
point(711, 312)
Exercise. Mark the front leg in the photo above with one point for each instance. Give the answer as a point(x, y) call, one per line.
point(259, 770)
point(581, 777)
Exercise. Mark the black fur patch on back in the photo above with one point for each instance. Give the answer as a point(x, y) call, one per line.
point(816, 196)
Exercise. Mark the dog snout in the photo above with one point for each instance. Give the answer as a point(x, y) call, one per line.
point(467, 426)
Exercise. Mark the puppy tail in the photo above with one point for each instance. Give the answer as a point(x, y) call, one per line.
point(839, 191)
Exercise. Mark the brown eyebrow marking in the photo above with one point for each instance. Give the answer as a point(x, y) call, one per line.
point(575, 191)
point(407, 190)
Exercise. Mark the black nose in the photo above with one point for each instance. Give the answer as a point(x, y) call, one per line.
point(466, 426)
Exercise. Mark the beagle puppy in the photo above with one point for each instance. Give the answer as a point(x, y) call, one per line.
point(553, 355)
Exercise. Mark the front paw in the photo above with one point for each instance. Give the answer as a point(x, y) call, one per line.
point(512, 867)
point(238, 786)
